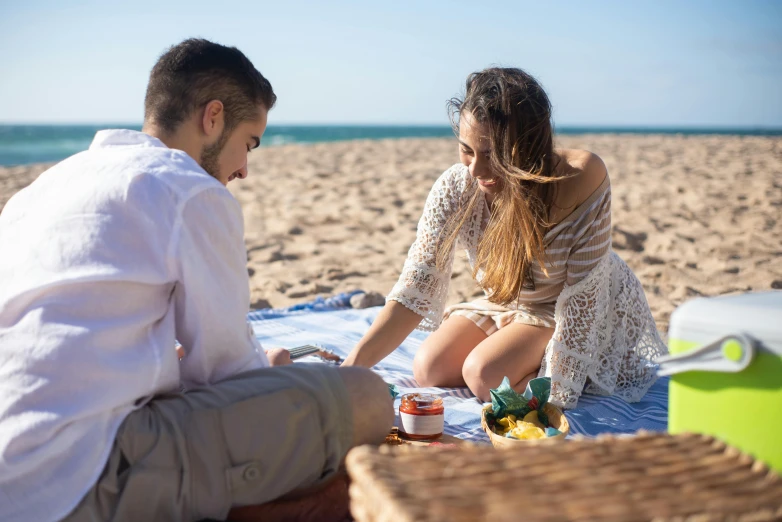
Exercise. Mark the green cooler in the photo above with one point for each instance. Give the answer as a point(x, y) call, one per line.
point(725, 365)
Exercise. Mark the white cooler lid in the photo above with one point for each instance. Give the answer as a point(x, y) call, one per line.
point(705, 319)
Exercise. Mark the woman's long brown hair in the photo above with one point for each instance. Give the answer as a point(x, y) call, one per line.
point(516, 112)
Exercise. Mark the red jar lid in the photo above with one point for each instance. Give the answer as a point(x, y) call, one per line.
point(421, 404)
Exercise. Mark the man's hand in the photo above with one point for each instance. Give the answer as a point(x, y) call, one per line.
point(279, 356)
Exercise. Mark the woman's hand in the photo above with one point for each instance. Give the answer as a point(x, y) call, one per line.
point(392, 326)
point(278, 357)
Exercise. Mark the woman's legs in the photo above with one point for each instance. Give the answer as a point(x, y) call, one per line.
point(514, 351)
point(459, 353)
point(441, 357)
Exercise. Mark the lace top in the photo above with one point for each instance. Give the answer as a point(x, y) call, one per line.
point(604, 329)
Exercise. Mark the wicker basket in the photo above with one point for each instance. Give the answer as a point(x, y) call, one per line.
point(556, 420)
point(644, 477)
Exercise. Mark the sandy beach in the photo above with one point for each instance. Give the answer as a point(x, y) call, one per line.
point(692, 215)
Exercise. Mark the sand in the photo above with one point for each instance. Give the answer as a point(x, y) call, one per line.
point(692, 216)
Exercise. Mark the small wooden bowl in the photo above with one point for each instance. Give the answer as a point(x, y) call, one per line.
point(556, 420)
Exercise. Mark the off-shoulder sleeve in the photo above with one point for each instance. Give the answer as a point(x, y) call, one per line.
point(422, 287)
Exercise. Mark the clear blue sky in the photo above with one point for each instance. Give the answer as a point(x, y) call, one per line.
point(653, 63)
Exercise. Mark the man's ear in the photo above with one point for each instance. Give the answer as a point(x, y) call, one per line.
point(213, 120)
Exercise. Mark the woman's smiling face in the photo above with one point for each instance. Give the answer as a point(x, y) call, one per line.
point(474, 148)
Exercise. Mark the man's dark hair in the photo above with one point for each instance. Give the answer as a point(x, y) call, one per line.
point(193, 73)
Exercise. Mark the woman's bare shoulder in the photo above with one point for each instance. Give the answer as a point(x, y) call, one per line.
point(584, 172)
point(585, 169)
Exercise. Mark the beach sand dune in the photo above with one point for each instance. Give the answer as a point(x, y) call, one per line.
point(692, 215)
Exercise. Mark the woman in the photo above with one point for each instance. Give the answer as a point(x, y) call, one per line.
point(536, 225)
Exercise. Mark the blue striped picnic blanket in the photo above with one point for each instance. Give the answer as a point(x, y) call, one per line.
point(331, 324)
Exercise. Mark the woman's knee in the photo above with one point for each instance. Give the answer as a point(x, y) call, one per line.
point(440, 359)
point(431, 370)
point(423, 370)
point(479, 376)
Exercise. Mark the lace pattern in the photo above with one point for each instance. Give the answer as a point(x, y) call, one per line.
point(422, 287)
point(605, 340)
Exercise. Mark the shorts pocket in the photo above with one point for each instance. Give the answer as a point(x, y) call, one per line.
point(274, 443)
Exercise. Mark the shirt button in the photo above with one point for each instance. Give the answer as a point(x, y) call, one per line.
point(251, 473)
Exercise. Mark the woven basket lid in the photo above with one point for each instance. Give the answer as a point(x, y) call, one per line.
point(642, 477)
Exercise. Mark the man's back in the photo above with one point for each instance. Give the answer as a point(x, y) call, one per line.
point(105, 260)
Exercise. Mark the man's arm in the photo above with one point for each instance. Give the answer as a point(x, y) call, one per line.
point(212, 295)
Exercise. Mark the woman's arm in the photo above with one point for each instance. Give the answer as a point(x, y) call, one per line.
point(418, 298)
point(392, 326)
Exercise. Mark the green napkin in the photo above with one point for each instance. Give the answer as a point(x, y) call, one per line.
point(505, 401)
point(393, 390)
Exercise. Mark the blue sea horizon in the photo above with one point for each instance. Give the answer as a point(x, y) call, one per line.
point(22, 144)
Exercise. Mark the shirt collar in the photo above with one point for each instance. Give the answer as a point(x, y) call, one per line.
point(124, 138)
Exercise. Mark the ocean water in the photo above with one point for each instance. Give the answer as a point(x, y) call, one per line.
point(24, 144)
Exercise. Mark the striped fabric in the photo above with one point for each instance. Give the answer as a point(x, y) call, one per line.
point(329, 325)
point(573, 248)
point(604, 339)
point(576, 245)
point(490, 317)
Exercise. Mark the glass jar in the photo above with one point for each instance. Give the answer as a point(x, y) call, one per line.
point(421, 416)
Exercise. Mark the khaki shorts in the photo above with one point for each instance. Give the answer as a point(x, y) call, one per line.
point(243, 441)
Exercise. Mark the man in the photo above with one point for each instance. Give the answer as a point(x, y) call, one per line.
point(107, 259)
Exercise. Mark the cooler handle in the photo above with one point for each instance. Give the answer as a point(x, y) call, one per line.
point(729, 354)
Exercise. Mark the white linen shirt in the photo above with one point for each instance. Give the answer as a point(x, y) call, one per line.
point(105, 260)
